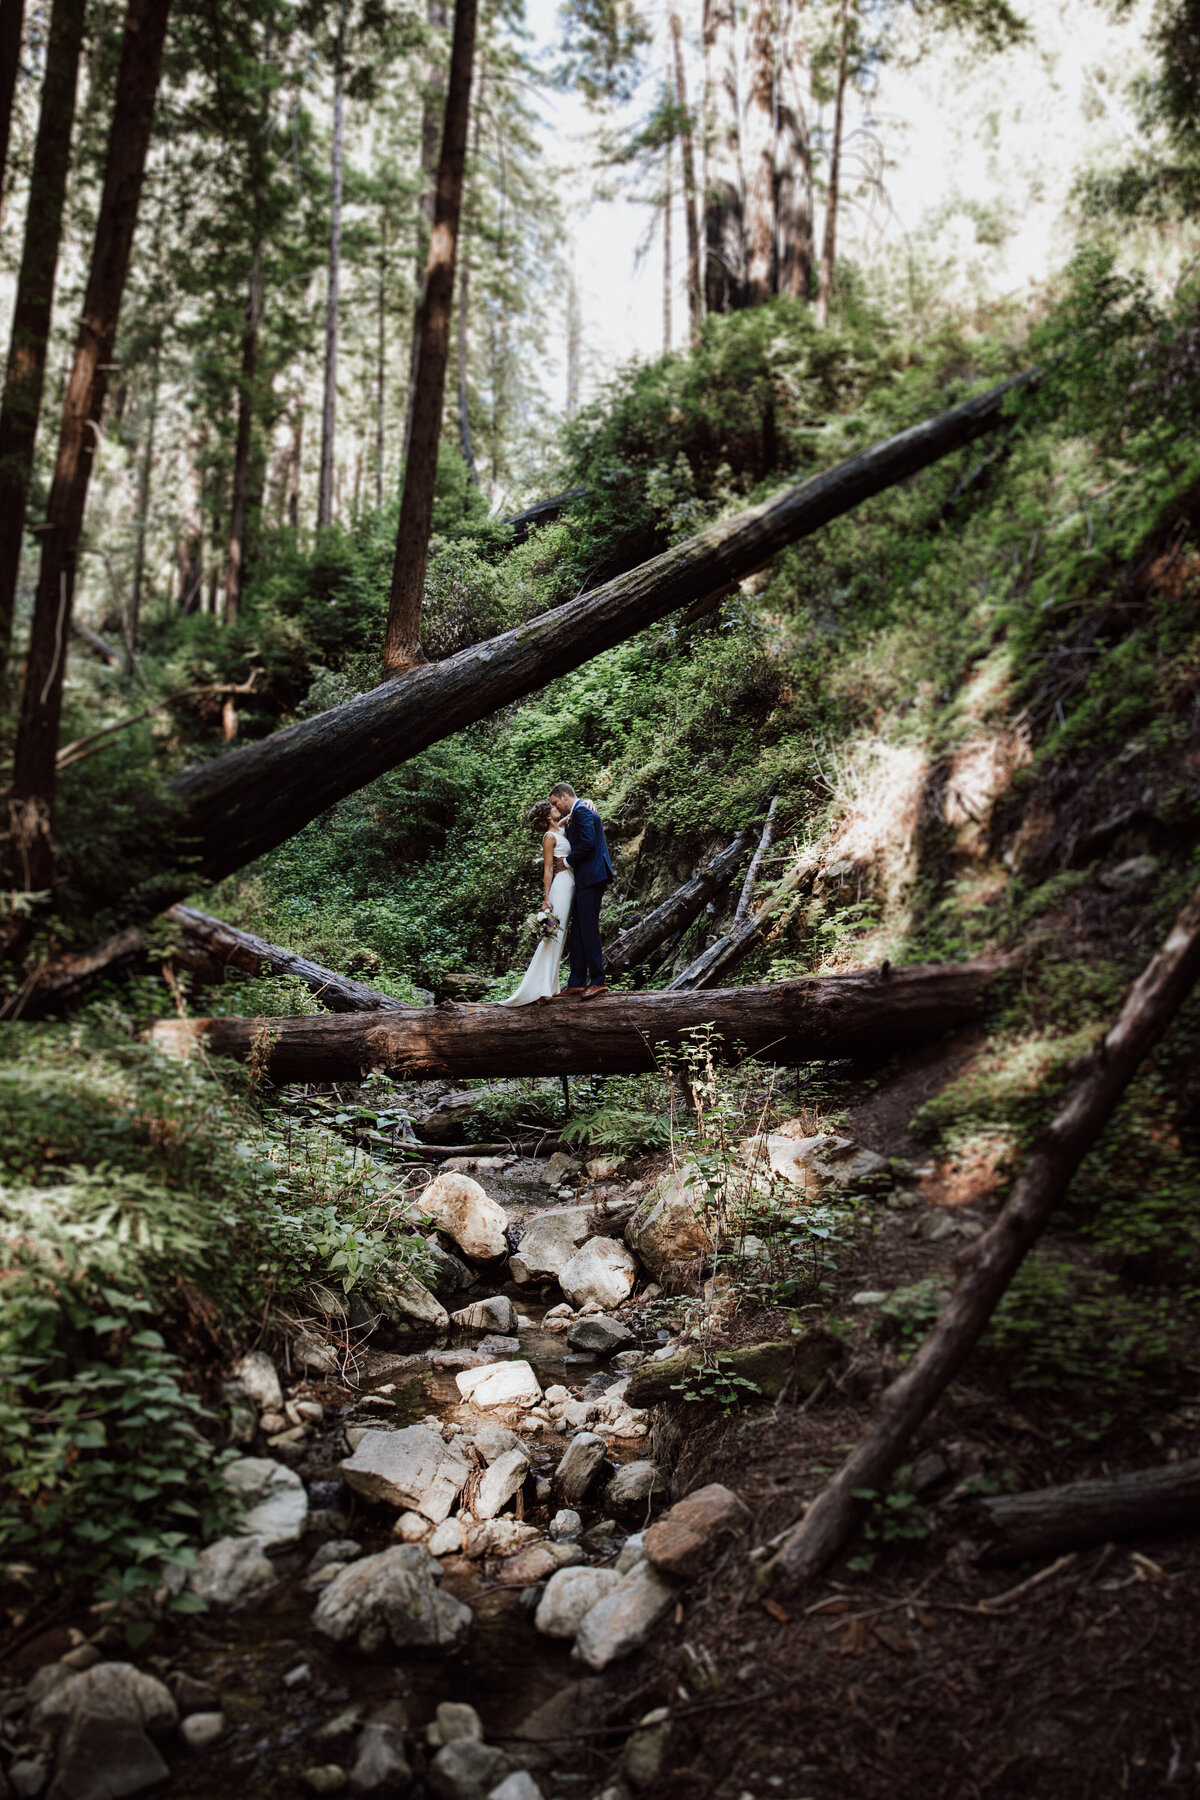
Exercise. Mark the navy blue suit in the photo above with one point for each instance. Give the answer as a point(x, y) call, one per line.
point(589, 858)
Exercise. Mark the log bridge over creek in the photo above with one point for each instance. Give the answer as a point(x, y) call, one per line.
point(788, 1022)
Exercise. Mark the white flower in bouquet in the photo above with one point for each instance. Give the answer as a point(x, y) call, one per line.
point(544, 924)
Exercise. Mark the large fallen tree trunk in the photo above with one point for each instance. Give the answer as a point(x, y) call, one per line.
point(255, 956)
point(241, 805)
point(787, 1022)
point(542, 512)
point(990, 1264)
point(678, 910)
point(1079, 1514)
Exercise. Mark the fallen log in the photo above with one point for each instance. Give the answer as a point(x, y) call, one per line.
point(742, 910)
point(786, 1022)
point(238, 806)
point(1079, 1514)
point(678, 910)
point(990, 1264)
point(721, 958)
point(63, 980)
point(542, 512)
point(255, 956)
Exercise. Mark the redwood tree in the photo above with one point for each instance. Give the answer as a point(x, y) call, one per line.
point(31, 803)
point(403, 646)
point(24, 379)
point(12, 18)
point(332, 293)
point(695, 287)
point(724, 270)
point(793, 159)
point(758, 152)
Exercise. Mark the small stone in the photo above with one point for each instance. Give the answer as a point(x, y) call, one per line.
point(313, 1355)
point(380, 1764)
point(44, 1680)
point(192, 1696)
point(496, 1537)
point(458, 1723)
point(495, 1345)
point(566, 1526)
point(537, 1563)
point(202, 1729)
point(564, 1309)
point(300, 1676)
point(579, 1467)
point(27, 1778)
point(570, 1595)
point(634, 1485)
point(339, 1728)
point(558, 1168)
point(520, 1785)
point(445, 1539)
point(645, 1749)
point(928, 1469)
point(231, 1570)
point(272, 1423)
point(682, 1541)
point(631, 1553)
point(935, 1226)
point(600, 1334)
point(503, 1384)
point(621, 1622)
point(260, 1379)
point(466, 1770)
point(275, 1499)
point(310, 1412)
point(496, 1313)
point(504, 1478)
point(324, 1778)
point(83, 1656)
point(342, 1550)
point(111, 1690)
point(626, 1360)
point(411, 1528)
point(869, 1297)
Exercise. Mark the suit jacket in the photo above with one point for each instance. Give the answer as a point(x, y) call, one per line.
point(588, 855)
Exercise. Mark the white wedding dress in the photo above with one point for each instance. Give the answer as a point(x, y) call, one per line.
point(541, 977)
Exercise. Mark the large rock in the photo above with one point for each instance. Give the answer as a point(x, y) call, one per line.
point(380, 1765)
point(602, 1270)
point(817, 1164)
point(492, 1441)
point(622, 1621)
point(258, 1376)
point(500, 1384)
point(685, 1539)
point(458, 1206)
point(570, 1595)
point(392, 1595)
point(111, 1690)
point(448, 1273)
point(274, 1497)
point(230, 1571)
point(405, 1301)
point(669, 1232)
point(105, 1758)
point(466, 1770)
point(634, 1486)
point(559, 1168)
point(792, 1364)
point(496, 1313)
point(549, 1241)
point(504, 1478)
point(600, 1334)
point(579, 1467)
point(414, 1469)
point(520, 1785)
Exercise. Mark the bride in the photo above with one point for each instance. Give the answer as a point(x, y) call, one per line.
point(540, 981)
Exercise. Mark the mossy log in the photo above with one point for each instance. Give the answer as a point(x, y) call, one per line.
point(785, 1022)
point(237, 807)
point(253, 955)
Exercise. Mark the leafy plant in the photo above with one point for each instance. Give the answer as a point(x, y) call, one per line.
point(712, 1381)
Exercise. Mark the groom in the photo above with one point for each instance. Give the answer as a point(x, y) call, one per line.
point(593, 868)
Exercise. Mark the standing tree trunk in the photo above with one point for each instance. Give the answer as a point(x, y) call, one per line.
point(464, 410)
point(758, 149)
point(403, 646)
point(695, 290)
point(725, 265)
point(25, 376)
point(432, 106)
point(833, 196)
point(31, 802)
point(145, 474)
point(238, 505)
point(667, 199)
point(380, 356)
point(574, 336)
point(793, 162)
point(329, 405)
point(11, 21)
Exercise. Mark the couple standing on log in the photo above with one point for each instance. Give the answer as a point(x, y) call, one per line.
point(576, 869)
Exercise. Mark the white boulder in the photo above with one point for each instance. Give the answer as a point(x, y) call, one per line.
point(458, 1206)
point(275, 1500)
point(602, 1271)
point(501, 1481)
point(496, 1313)
point(621, 1622)
point(392, 1595)
point(258, 1375)
point(414, 1469)
point(669, 1231)
point(500, 1384)
point(569, 1597)
point(231, 1570)
point(549, 1241)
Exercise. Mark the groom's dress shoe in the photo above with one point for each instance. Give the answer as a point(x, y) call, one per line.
point(569, 993)
point(590, 993)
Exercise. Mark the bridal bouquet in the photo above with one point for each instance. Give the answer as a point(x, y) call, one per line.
point(544, 925)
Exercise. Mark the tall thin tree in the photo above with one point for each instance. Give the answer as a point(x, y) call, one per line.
point(574, 343)
point(12, 20)
point(239, 500)
point(724, 271)
point(668, 275)
point(31, 802)
point(793, 158)
point(402, 648)
point(695, 285)
point(24, 378)
point(432, 104)
point(834, 181)
point(758, 153)
point(329, 402)
point(381, 352)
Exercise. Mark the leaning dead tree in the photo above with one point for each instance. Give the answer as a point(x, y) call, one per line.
point(721, 958)
point(253, 955)
point(241, 805)
point(1080, 1514)
point(678, 910)
point(990, 1264)
point(787, 1022)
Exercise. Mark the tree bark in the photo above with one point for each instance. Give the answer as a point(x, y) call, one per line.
point(695, 288)
point(329, 400)
point(990, 1264)
point(758, 149)
point(25, 376)
point(788, 1022)
point(380, 355)
point(678, 910)
point(235, 562)
point(793, 162)
point(255, 956)
point(432, 106)
point(668, 277)
point(464, 408)
point(1146, 1503)
point(145, 476)
point(833, 193)
point(725, 257)
point(31, 807)
point(12, 19)
point(402, 649)
point(742, 909)
point(574, 334)
point(241, 805)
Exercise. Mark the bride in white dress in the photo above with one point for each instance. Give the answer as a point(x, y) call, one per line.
point(540, 981)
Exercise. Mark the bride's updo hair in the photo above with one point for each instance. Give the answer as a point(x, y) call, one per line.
point(538, 817)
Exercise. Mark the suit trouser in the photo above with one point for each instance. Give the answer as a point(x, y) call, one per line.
point(587, 958)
